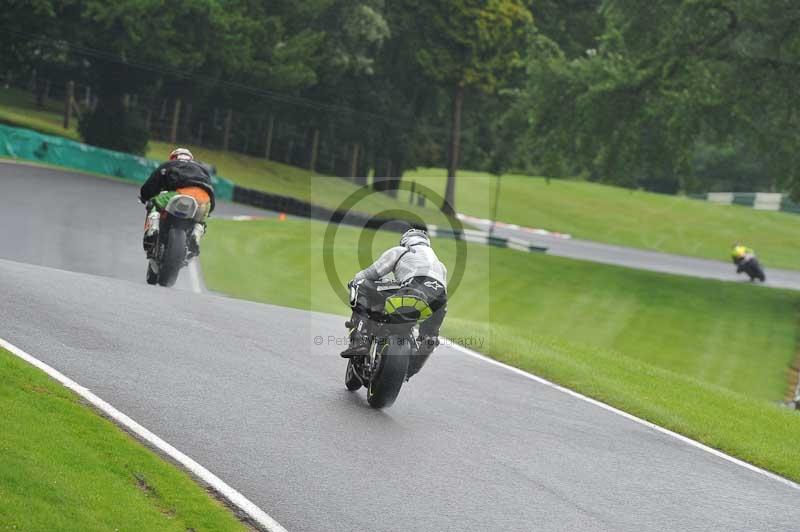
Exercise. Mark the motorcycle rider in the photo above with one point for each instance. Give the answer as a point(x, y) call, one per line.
point(180, 174)
point(741, 255)
point(421, 275)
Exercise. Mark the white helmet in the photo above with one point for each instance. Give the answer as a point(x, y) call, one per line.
point(181, 154)
point(414, 237)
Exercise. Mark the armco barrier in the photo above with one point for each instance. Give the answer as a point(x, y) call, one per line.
point(29, 145)
point(787, 205)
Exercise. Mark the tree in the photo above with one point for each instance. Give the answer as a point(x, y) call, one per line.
point(463, 44)
point(33, 41)
point(196, 48)
point(665, 76)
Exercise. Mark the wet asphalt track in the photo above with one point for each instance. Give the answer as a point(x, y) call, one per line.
point(243, 389)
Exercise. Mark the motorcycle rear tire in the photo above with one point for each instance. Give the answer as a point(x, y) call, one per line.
point(755, 271)
point(174, 255)
point(388, 379)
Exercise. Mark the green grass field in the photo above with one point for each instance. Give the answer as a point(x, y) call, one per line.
point(704, 358)
point(64, 467)
point(672, 224)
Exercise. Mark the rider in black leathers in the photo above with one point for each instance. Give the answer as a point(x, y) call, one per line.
point(179, 172)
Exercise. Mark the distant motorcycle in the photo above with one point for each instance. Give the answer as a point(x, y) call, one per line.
point(384, 368)
point(172, 252)
point(752, 267)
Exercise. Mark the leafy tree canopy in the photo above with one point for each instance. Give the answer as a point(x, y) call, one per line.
point(663, 76)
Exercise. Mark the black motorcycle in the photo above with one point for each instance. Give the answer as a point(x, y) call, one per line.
point(752, 267)
point(171, 249)
point(384, 368)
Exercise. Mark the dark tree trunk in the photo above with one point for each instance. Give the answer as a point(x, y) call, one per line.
point(270, 132)
point(226, 139)
point(449, 205)
point(41, 92)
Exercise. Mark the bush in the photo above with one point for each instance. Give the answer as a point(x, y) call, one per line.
point(115, 128)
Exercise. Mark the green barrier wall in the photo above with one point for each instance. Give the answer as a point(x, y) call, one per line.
point(745, 199)
point(29, 145)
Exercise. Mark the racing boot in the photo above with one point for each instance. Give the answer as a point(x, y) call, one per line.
point(151, 226)
point(152, 272)
point(194, 239)
point(425, 346)
point(359, 341)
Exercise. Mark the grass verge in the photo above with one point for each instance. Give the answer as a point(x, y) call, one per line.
point(638, 219)
point(64, 467)
point(704, 358)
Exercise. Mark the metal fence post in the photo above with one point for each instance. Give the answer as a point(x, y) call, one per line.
point(176, 116)
point(270, 132)
point(314, 151)
point(70, 96)
point(354, 160)
point(227, 138)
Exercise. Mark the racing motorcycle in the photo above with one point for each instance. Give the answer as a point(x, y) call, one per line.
point(752, 267)
point(175, 225)
point(384, 368)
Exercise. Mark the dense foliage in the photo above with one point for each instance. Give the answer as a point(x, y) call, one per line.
point(673, 93)
point(687, 95)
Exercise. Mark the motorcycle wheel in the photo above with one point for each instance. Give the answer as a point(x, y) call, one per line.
point(756, 271)
point(388, 379)
point(351, 381)
point(174, 255)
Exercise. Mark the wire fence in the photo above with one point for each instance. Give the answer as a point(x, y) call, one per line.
point(273, 131)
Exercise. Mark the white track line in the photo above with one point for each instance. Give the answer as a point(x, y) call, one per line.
point(626, 415)
point(194, 277)
point(231, 495)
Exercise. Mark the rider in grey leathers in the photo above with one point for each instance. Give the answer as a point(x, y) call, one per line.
point(417, 269)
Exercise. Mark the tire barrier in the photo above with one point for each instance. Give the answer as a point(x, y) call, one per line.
point(763, 201)
point(482, 237)
point(483, 222)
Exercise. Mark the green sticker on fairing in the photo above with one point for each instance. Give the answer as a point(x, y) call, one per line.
point(162, 200)
point(407, 304)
